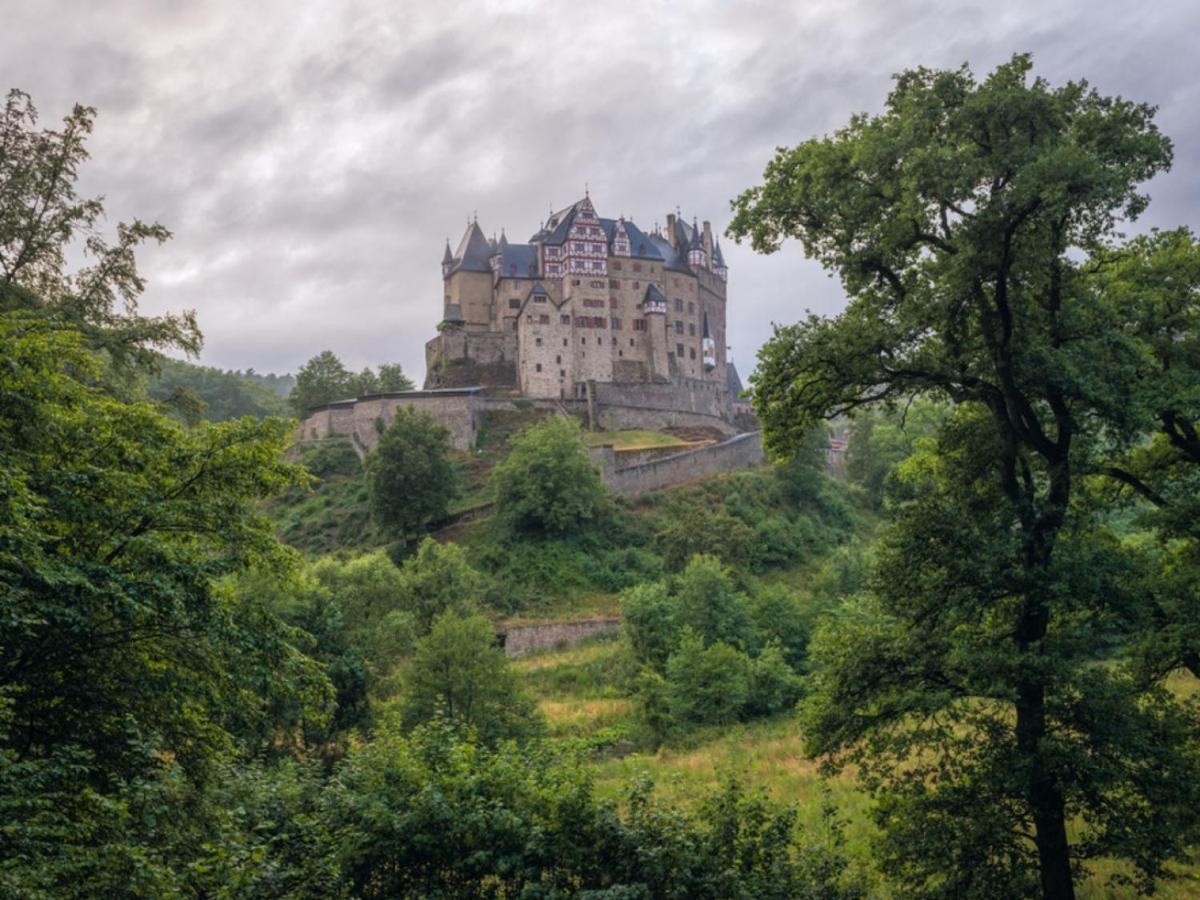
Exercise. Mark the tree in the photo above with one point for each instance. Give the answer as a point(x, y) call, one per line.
point(410, 476)
point(700, 530)
point(44, 223)
point(547, 483)
point(130, 670)
point(707, 684)
point(460, 674)
point(971, 224)
point(323, 379)
point(649, 621)
point(438, 578)
point(392, 378)
point(710, 606)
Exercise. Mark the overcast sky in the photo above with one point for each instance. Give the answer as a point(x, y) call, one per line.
point(311, 158)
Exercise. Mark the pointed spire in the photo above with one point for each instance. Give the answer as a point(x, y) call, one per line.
point(447, 256)
point(707, 334)
point(697, 240)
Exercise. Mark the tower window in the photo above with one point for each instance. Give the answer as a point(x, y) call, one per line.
point(538, 367)
point(679, 350)
point(514, 302)
point(537, 342)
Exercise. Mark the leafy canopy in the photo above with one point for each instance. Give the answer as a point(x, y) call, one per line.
point(973, 226)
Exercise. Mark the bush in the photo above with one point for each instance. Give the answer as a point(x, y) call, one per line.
point(774, 686)
point(779, 618)
point(708, 603)
point(707, 685)
point(547, 483)
point(438, 578)
point(459, 673)
point(410, 476)
point(698, 529)
point(650, 624)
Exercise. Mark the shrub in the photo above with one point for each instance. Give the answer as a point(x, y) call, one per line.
point(410, 476)
point(460, 674)
point(547, 483)
point(438, 578)
point(779, 618)
point(650, 623)
point(697, 529)
point(708, 603)
point(774, 686)
point(707, 685)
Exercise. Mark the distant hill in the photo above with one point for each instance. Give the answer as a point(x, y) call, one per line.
point(217, 394)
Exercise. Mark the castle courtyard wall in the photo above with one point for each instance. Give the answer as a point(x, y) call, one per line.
point(456, 410)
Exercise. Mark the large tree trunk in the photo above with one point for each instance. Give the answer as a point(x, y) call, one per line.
point(1044, 797)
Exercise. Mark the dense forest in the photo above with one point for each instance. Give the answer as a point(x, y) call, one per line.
point(230, 667)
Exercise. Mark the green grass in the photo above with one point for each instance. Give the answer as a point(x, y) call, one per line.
point(633, 439)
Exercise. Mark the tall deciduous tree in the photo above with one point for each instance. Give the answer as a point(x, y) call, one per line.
point(411, 478)
point(547, 483)
point(42, 219)
point(971, 224)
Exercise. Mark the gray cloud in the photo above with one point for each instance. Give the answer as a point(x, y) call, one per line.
point(311, 158)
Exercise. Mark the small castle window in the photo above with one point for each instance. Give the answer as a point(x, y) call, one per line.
point(679, 350)
point(620, 353)
point(538, 367)
point(692, 328)
point(692, 352)
point(613, 284)
point(514, 302)
point(637, 267)
point(544, 320)
point(616, 266)
point(691, 307)
point(566, 320)
point(514, 324)
point(575, 281)
point(558, 359)
point(538, 342)
point(562, 373)
point(564, 339)
point(637, 285)
point(678, 305)
point(678, 327)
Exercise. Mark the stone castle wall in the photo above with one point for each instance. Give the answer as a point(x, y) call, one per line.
point(522, 639)
point(458, 410)
point(738, 452)
point(681, 403)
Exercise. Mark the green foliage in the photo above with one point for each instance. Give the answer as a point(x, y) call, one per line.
point(779, 619)
point(131, 670)
point(649, 619)
point(880, 439)
point(44, 223)
point(547, 483)
point(708, 603)
point(707, 684)
point(703, 531)
point(428, 815)
point(380, 620)
point(461, 675)
point(973, 225)
point(214, 394)
point(437, 579)
point(324, 379)
point(774, 684)
point(410, 476)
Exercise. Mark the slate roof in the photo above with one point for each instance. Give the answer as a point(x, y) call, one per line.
point(518, 260)
point(654, 294)
point(473, 253)
point(640, 245)
point(718, 258)
point(447, 256)
point(733, 380)
point(676, 262)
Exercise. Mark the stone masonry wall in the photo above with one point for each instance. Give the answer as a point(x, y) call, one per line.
point(456, 410)
point(522, 639)
point(738, 452)
point(683, 402)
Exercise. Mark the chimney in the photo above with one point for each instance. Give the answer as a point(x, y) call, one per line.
point(708, 245)
point(671, 228)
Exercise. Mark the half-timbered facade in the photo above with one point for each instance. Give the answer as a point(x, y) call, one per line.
point(586, 298)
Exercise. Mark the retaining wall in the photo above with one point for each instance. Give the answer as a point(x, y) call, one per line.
point(522, 639)
point(680, 403)
point(458, 410)
point(738, 452)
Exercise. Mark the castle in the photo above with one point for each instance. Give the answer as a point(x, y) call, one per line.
point(586, 301)
point(592, 317)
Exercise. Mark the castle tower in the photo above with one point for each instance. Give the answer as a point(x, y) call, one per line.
point(654, 310)
point(696, 248)
point(708, 347)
